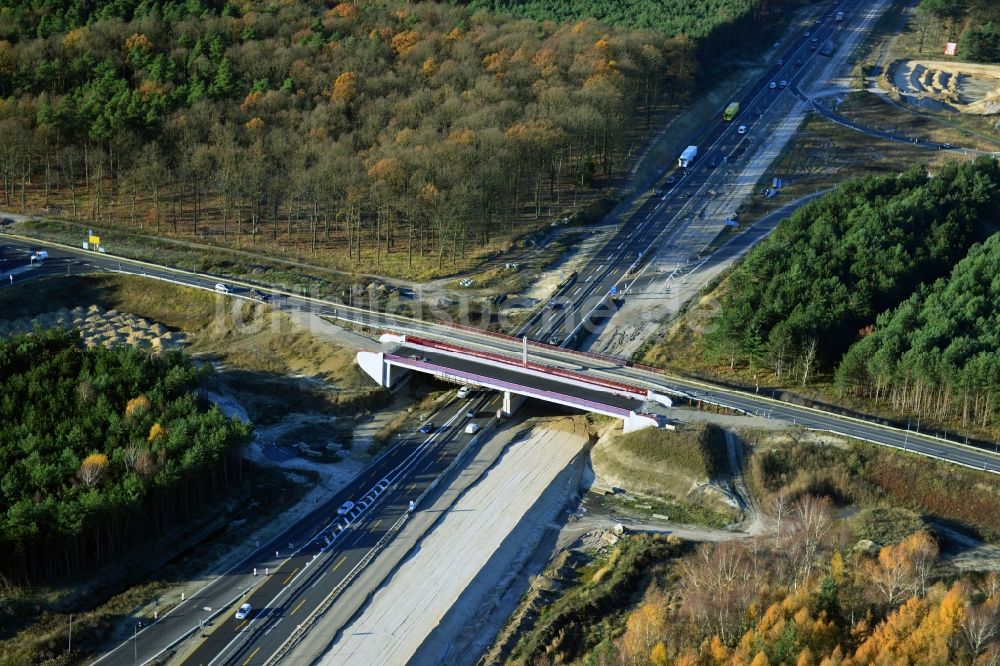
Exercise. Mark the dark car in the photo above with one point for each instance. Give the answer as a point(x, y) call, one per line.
point(671, 180)
point(427, 427)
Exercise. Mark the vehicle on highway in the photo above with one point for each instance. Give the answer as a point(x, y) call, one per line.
point(555, 305)
point(427, 427)
point(223, 288)
point(731, 111)
point(712, 164)
point(471, 414)
point(684, 161)
point(463, 392)
point(555, 341)
point(946, 146)
point(345, 507)
point(472, 428)
point(780, 62)
point(783, 84)
point(742, 129)
point(807, 33)
point(418, 357)
point(772, 85)
point(658, 192)
point(671, 180)
point(243, 611)
point(39, 256)
point(815, 40)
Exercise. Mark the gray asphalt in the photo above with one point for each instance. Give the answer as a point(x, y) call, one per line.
point(431, 361)
point(255, 641)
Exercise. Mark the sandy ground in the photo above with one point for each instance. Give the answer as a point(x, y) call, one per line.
point(961, 87)
point(548, 281)
point(100, 327)
point(430, 608)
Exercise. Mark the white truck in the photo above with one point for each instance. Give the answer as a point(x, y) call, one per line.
point(684, 161)
point(39, 256)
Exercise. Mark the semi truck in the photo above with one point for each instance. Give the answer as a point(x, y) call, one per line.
point(684, 161)
point(731, 111)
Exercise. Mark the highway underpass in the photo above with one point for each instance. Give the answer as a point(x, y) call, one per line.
point(515, 378)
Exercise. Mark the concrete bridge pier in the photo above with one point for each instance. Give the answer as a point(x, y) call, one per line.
point(511, 401)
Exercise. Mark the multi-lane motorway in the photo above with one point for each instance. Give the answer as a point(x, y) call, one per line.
point(300, 568)
point(289, 578)
point(589, 297)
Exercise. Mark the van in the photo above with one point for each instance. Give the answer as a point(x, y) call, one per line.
point(472, 428)
point(742, 129)
point(222, 289)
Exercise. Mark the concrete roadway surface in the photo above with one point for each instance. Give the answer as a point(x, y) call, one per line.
point(515, 375)
point(301, 567)
point(649, 281)
point(660, 219)
point(615, 369)
point(305, 581)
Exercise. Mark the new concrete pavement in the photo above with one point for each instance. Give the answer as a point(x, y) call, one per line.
point(287, 578)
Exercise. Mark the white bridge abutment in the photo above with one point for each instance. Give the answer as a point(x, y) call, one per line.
point(374, 365)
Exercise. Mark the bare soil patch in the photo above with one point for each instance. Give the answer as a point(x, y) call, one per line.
point(954, 86)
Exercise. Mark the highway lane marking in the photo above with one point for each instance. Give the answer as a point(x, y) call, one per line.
point(297, 607)
point(241, 625)
point(290, 576)
point(337, 565)
point(376, 523)
point(252, 655)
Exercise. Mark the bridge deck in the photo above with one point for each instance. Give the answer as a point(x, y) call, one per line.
point(515, 375)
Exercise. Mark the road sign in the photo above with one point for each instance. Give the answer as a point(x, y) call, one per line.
point(94, 240)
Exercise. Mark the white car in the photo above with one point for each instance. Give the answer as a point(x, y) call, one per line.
point(222, 288)
point(472, 428)
point(772, 85)
point(345, 507)
point(243, 611)
point(742, 129)
point(463, 393)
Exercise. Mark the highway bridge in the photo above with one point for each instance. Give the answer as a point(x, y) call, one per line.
point(513, 377)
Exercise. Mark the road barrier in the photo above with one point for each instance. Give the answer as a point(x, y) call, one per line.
point(303, 628)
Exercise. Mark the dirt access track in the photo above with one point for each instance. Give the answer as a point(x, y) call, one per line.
point(953, 86)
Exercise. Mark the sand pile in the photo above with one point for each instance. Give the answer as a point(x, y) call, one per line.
point(956, 86)
point(100, 327)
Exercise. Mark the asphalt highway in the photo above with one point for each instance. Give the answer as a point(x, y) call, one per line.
point(288, 578)
point(302, 575)
point(304, 582)
point(514, 375)
point(589, 297)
